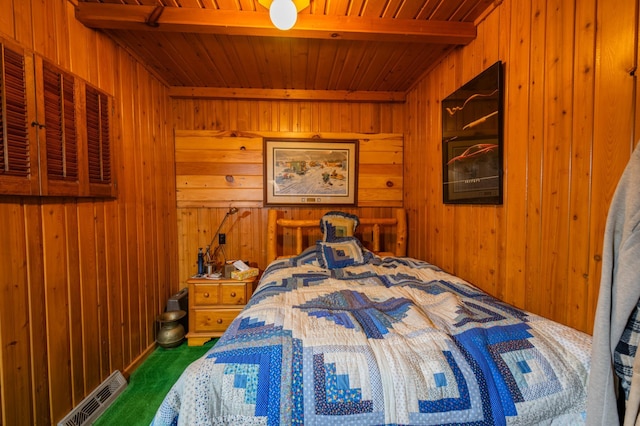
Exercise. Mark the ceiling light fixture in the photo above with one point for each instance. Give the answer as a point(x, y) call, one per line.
point(284, 13)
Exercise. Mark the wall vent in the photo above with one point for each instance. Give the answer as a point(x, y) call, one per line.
point(97, 402)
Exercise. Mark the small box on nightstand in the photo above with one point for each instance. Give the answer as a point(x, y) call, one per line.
point(243, 275)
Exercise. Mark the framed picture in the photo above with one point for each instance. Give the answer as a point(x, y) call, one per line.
point(310, 172)
point(472, 140)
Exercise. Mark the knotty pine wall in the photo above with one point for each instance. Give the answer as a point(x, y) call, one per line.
point(210, 134)
point(82, 280)
point(571, 121)
point(216, 169)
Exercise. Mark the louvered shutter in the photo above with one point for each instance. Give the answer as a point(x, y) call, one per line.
point(18, 162)
point(98, 141)
point(61, 140)
point(55, 130)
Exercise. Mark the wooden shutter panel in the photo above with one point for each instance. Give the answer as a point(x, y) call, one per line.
point(98, 142)
point(105, 139)
point(15, 152)
point(45, 114)
point(18, 173)
point(60, 125)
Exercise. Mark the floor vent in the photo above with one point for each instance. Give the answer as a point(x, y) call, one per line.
point(97, 402)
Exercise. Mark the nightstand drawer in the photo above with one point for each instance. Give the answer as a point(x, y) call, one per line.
point(220, 294)
point(206, 294)
point(211, 320)
point(233, 294)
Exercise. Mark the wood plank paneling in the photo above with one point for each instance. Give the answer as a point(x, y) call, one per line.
point(570, 115)
point(6, 19)
point(616, 46)
point(33, 234)
point(556, 158)
point(219, 158)
point(55, 258)
point(80, 267)
point(14, 313)
point(234, 155)
point(516, 113)
point(577, 301)
point(83, 280)
point(44, 33)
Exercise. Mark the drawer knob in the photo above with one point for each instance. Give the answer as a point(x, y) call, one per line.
point(219, 320)
point(206, 295)
point(233, 294)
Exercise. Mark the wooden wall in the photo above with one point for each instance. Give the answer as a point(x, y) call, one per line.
point(222, 168)
point(571, 123)
point(82, 280)
point(572, 120)
point(213, 131)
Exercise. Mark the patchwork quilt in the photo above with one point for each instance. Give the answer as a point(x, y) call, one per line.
point(386, 341)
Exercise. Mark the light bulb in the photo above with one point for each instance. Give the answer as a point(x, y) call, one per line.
point(283, 14)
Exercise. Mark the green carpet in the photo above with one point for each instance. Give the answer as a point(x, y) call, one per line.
point(149, 384)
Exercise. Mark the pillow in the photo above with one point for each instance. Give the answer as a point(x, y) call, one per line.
point(337, 225)
point(341, 253)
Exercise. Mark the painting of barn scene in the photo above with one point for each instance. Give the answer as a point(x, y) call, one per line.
point(311, 172)
point(304, 172)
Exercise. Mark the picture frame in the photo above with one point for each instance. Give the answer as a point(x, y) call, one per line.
point(310, 172)
point(472, 140)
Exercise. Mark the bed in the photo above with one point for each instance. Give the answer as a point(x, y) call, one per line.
point(342, 333)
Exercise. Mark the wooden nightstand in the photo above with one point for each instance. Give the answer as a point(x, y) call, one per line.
point(213, 304)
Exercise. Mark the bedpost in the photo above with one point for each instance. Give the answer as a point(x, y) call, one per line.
point(376, 238)
point(299, 239)
point(401, 232)
point(272, 235)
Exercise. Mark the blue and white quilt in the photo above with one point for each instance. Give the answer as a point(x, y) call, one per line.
point(394, 341)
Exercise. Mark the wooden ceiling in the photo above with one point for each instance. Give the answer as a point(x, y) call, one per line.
point(369, 50)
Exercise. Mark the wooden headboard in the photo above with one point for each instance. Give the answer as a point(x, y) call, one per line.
point(299, 227)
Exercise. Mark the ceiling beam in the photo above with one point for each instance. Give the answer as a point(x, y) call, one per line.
point(249, 23)
point(286, 94)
